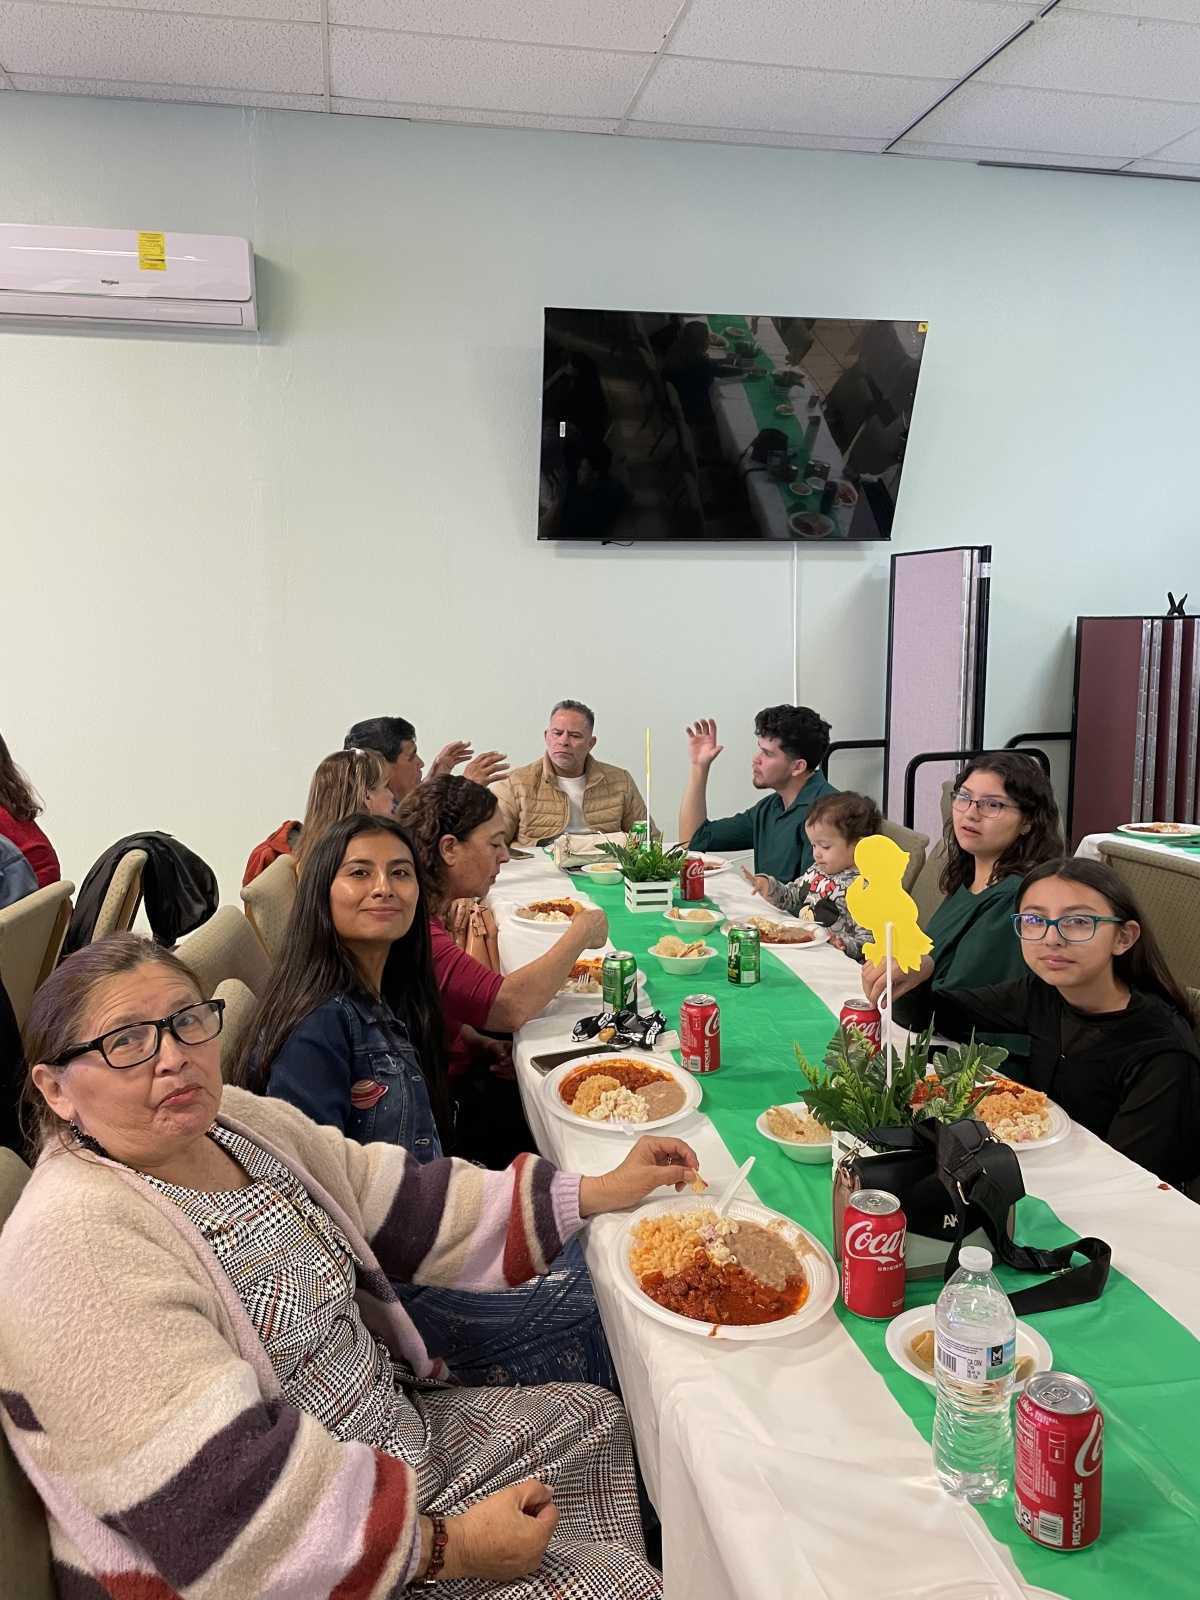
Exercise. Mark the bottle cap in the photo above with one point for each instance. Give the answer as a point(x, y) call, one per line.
point(975, 1259)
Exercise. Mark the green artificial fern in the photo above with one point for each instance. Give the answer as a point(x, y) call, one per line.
point(648, 863)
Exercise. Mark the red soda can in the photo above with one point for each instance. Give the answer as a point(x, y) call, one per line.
point(873, 1254)
point(691, 879)
point(861, 1014)
point(700, 1033)
point(1059, 1449)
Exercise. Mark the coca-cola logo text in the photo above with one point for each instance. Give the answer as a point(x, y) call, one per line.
point(864, 1244)
point(1091, 1452)
point(712, 1025)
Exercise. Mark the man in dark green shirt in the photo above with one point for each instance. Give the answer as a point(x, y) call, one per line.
point(792, 741)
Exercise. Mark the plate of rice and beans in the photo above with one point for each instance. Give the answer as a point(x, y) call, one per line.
point(634, 1092)
point(750, 1275)
point(1022, 1117)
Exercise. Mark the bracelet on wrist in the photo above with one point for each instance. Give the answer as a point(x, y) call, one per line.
point(437, 1553)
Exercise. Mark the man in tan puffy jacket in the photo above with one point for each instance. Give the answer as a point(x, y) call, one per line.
point(566, 790)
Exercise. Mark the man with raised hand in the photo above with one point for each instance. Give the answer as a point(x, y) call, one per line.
point(394, 739)
point(566, 790)
point(792, 741)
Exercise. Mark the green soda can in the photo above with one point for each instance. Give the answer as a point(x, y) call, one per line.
point(618, 979)
point(638, 835)
point(745, 955)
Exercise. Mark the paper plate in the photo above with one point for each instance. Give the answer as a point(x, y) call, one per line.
point(595, 996)
point(904, 1328)
point(1138, 830)
point(548, 927)
point(559, 1108)
point(1060, 1127)
point(820, 935)
point(818, 1264)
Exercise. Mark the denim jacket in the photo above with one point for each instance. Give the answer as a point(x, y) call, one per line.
point(350, 1063)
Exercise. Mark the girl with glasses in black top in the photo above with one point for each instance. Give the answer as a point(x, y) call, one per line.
point(1110, 1030)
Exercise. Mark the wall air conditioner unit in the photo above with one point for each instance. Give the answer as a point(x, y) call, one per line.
point(120, 275)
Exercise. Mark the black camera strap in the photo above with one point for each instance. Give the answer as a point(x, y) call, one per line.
point(983, 1178)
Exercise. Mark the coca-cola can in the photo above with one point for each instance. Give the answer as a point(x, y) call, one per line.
point(691, 879)
point(861, 1014)
point(1059, 1450)
point(700, 1033)
point(872, 1248)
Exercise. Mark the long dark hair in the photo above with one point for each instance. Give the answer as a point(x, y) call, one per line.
point(1141, 966)
point(17, 794)
point(314, 965)
point(442, 806)
point(1027, 786)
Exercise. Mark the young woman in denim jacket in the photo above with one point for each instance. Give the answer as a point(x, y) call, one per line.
point(351, 1032)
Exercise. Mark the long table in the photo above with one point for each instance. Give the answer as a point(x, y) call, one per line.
point(788, 1467)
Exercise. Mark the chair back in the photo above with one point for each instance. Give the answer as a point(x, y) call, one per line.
point(122, 897)
point(32, 931)
point(226, 947)
point(24, 1538)
point(240, 1004)
point(915, 843)
point(269, 900)
point(1167, 889)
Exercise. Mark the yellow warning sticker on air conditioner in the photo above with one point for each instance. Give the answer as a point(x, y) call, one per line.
point(152, 252)
point(922, 327)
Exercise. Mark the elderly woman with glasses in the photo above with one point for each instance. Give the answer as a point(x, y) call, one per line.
point(204, 1370)
point(1003, 822)
point(1110, 1031)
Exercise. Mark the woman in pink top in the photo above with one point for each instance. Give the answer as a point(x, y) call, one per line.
point(19, 808)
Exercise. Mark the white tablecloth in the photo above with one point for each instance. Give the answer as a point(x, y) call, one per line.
point(1089, 845)
point(786, 1468)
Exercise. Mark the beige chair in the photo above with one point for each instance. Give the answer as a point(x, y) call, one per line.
point(269, 900)
point(240, 1004)
point(915, 843)
point(226, 947)
point(32, 931)
point(123, 896)
point(1167, 890)
point(24, 1540)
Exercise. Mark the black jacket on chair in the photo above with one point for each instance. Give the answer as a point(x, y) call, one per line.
point(179, 890)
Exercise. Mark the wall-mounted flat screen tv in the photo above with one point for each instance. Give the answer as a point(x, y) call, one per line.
point(660, 425)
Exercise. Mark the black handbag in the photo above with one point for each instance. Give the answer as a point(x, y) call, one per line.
point(953, 1179)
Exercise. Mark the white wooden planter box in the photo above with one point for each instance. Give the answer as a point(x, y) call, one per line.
point(649, 896)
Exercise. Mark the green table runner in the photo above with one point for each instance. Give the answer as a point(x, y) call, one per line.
point(1145, 1366)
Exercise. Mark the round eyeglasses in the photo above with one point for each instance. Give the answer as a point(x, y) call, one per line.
point(1077, 927)
point(138, 1042)
point(987, 805)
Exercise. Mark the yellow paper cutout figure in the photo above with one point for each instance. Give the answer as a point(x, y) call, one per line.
point(877, 896)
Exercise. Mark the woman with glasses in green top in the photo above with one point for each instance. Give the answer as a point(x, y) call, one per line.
point(1110, 1030)
point(1003, 822)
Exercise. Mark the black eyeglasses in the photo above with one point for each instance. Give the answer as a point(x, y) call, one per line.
point(1078, 927)
point(137, 1042)
point(988, 805)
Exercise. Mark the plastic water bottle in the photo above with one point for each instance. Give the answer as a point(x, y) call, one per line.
point(975, 1335)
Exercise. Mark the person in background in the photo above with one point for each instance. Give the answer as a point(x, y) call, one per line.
point(566, 790)
point(205, 1371)
point(350, 1031)
point(458, 834)
point(792, 743)
point(17, 877)
point(688, 365)
point(395, 739)
point(835, 825)
point(20, 808)
point(346, 783)
point(1110, 1031)
point(1003, 822)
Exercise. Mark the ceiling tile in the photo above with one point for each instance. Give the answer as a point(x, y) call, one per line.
point(1185, 149)
point(1104, 55)
point(783, 99)
point(1167, 10)
point(599, 25)
point(270, 10)
point(105, 88)
point(920, 38)
point(1168, 169)
point(971, 152)
point(758, 136)
point(1040, 119)
point(459, 114)
point(146, 47)
point(482, 75)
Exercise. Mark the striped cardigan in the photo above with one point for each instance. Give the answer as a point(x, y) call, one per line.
point(139, 1400)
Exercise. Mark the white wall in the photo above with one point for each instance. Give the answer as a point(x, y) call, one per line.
point(220, 553)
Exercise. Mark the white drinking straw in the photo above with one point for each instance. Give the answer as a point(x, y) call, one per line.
point(887, 1033)
point(648, 813)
